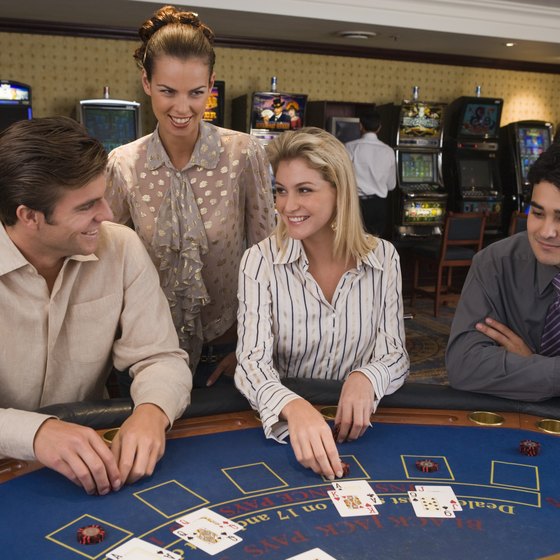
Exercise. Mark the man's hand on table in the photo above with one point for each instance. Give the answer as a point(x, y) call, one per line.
point(140, 443)
point(79, 454)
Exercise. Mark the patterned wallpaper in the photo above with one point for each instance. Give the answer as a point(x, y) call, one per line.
point(62, 70)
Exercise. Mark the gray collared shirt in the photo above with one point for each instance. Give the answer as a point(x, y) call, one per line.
point(508, 284)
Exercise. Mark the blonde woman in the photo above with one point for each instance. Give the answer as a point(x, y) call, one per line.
point(321, 299)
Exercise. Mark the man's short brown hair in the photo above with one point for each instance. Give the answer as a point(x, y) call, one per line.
point(40, 159)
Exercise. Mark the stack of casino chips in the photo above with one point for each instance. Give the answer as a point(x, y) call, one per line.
point(91, 534)
point(529, 447)
point(426, 465)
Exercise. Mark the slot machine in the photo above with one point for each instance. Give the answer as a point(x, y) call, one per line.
point(419, 205)
point(471, 170)
point(15, 103)
point(113, 122)
point(266, 114)
point(521, 143)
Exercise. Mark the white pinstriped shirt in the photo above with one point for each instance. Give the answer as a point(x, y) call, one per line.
point(286, 327)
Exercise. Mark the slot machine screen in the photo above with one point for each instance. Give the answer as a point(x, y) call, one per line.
point(475, 174)
point(533, 142)
point(214, 111)
point(15, 103)
point(480, 119)
point(112, 124)
point(345, 129)
point(417, 167)
point(278, 111)
point(420, 120)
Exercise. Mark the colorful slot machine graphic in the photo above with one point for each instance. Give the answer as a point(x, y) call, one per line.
point(265, 114)
point(214, 110)
point(273, 113)
point(420, 124)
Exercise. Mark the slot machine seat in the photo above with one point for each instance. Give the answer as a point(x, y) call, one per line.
point(518, 223)
point(462, 238)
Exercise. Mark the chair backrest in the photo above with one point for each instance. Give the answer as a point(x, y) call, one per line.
point(463, 229)
point(518, 222)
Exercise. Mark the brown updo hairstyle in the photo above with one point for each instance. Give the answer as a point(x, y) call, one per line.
point(170, 32)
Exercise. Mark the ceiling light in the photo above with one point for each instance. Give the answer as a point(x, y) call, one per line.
point(510, 44)
point(356, 34)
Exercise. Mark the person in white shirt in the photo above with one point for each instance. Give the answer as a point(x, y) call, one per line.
point(376, 173)
point(320, 298)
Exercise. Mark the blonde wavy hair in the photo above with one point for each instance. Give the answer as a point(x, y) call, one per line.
point(323, 152)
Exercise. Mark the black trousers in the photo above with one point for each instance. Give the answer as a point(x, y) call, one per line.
point(374, 214)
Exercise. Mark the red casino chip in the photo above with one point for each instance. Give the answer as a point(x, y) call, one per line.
point(91, 534)
point(345, 469)
point(529, 447)
point(427, 465)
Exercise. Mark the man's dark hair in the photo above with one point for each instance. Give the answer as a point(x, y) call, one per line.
point(370, 120)
point(547, 167)
point(40, 159)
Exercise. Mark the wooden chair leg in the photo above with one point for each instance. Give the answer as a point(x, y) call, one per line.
point(437, 293)
point(414, 281)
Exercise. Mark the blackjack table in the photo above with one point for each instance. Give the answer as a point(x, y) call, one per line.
point(510, 500)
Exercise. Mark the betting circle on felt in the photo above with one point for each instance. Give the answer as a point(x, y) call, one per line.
point(285, 508)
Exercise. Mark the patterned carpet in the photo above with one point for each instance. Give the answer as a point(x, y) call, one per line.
point(426, 340)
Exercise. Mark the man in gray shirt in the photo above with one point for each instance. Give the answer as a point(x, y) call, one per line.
point(495, 343)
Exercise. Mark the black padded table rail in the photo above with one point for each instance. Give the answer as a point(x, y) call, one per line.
point(224, 397)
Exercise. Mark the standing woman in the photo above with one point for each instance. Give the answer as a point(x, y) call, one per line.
point(319, 299)
point(197, 195)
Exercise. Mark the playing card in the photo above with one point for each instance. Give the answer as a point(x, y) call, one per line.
point(351, 505)
point(137, 549)
point(428, 504)
point(445, 494)
point(206, 536)
point(358, 487)
point(221, 522)
point(315, 554)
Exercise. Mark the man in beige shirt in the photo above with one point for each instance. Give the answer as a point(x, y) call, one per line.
point(78, 294)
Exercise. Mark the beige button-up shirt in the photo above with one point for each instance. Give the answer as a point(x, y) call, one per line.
point(195, 222)
point(105, 308)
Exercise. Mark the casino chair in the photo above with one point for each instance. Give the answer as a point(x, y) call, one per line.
point(518, 222)
point(462, 237)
